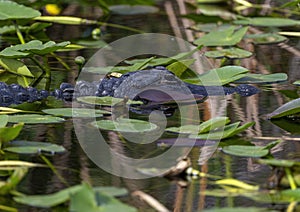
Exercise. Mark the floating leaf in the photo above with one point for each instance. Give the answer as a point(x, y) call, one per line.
point(35, 119)
point(268, 22)
point(228, 131)
point(268, 38)
point(219, 76)
point(10, 10)
point(111, 191)
point(132, 9)
point(204, 127)
point(15, 66)
point(32, 47)
point(104, 100)
point(231, 53)
point(126, 125)
point(297, 82)
point(87, 200)
point(10, 133)
point(227, 37)
point(3, 120)
point(76, 112)
point(32, 147)
point(279, 162)
point(179, 67)
point(246, 151)
point(287, 109)
point(48, 200)
point(262, 78)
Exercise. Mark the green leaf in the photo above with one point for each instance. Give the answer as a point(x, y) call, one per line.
point(179, 67)
point(262, 78)
point(297, 82)
point(132, 9)
point(13, 180)
point(15, 66)
point(228, 131)
point(213, 124)
point(10, 133)
point(76, 112)
point(49, 200)
point(219, 76)
point(266, 38)
point(279, 162)
point(290, 108)
point(246, 151)
point(105, 100)
point(35, 119)
point(237, 209)
point(32, 47)
point(10, 10)
point(231, 53)
point(3, 120)
point(111, 191)
point(268, 22)
point(32, 147)
point(86, 199)
point(227, 37)
point(125, 125)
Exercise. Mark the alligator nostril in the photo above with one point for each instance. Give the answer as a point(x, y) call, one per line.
point(169, 78)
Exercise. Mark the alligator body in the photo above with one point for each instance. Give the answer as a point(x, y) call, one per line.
point(151, 85)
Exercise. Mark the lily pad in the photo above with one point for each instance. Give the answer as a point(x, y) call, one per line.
point(125, 125)
point(105, 100)
point(227, 37)
point(76, 112)
point(219, 76)
point(32, 147)
point(246, 151)
point(10, 10)
point(268, 22)
point(262, 78)
point(32, 47)
point(290, 108)
point(35, 119)
point(232, 53)
point(132, 9)
point(267, 38)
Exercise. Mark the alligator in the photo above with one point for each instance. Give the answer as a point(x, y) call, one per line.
point(155, 84)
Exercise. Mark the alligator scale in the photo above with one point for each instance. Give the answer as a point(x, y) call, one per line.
point(150, 85)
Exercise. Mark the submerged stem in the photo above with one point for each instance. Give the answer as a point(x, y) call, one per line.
point(19, 33)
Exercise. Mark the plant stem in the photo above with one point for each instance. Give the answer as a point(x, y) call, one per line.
point(120, 27)
point(54, 170)
point(19, 33)
point(61, 61)
point(290, 178)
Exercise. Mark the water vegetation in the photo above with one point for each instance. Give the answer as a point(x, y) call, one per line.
point(25, 59)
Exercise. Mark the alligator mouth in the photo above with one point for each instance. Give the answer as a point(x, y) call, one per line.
point(152, 96)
